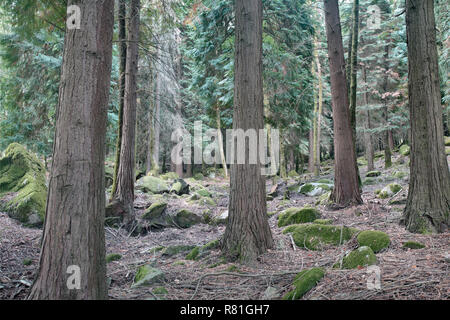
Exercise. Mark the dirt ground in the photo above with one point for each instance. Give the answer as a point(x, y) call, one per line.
point(405, 274)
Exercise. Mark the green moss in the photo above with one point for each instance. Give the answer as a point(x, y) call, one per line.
point(221, 261)
point(413, 245)
point(22, 175)
point(404, 150)
point(204, 193)
point(211, 245)
point(447, 141)
point(305, 281)
point(447, 151)
point(232, 268)
point(325, 181)
point(399, 174)
point(297, 215)
point(113, 257)
point(152, 184)
point(186, 219)
point(306, 188)
point(395, 187)
point(361, 257)
point(272, 213)
point(27, 262)
point(193, 254)
point(207, 201)
point(147, 275)
point(160, 291)
point(292, 174)
point(323, 221)
point(376, 240)
point(293, 187)
point(373, 174)
point(155, 210)
point(179, 263)
point(170, 176)
point(198, 176)
point(324, 199)
point(174, 250)
point(315, 236)
point(369, 181)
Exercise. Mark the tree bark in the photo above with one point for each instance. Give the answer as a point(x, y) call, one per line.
point(74, 226)
point(123, 63)
point(123, 199)
point(247, 234)
point(346, 189)
point(367, 136)
point(319, 112)
point(387, 148)
point(220, 141)
point(428, 204)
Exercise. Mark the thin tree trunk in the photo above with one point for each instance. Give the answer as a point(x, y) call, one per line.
point(74, 237)
point(220, 140)
point(346, 187)
point(387, 149)
point(367, 136)
point(123, 61)
point(123, 200)
point(247, 234)
point(319, 112)
point(428, 204)
point(157, 125)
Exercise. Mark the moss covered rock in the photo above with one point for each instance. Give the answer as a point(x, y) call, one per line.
point(305, 281)
point(204, 193)
point(315, 189)
point(376, 240)
point(404, 150)
point(185, 218)
point(23, 192)
point(323, 221)
point(170, 176)
point(389, 190)
point(298, 215)
point(447, 141)
point(361, 257)
point(324, 199)
point(180, 187)
point(293, 174)
point(154, 211)
point(413, 245)
point(373, 174)
point(152, 184)
point(198, 176)
point(174, 250)
point(147, 275)
point(315, 236)
point(198, 252)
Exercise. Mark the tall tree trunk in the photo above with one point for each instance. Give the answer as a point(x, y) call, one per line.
point(387, 149)
point(311, 143)
point(123, 199)
point(74, 237)
point(346, 188)
point(157, 124)
point(248, 233)
point(283, 172)
point(428, 204)
point(319, 112)
point(367, 136)
point(123, 62)
point(220, 140)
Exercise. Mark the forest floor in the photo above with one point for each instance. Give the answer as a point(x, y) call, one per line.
point(405, 273)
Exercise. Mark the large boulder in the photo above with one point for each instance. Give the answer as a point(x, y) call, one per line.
point(147, 276)
point(297, 215)
point(23, 192)
point(153, 185)
point(389, 190)
point(316, 236)
point(376, 240)
point(404, 150)
point(180, 187)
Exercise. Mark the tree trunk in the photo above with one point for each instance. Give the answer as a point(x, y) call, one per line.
point(157, 124)
point(248, 233)
point(123, 199)
point(319, 113)
point(73, 242)
point(220, 141)
point(346, 188)
point(311, 144)
point(428, 204)
point(367, 136)
point(123, 61)
point(387, 149)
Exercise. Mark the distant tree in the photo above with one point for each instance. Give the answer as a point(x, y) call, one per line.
point(74, 235)
point(122, 202)
point(428, 204)
point(248, 233)
point(346, 188)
